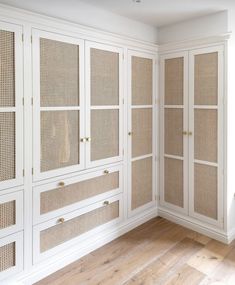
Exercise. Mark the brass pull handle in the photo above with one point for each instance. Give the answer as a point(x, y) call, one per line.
point(106, 172)
point(130, 133)
point(88, 139)
point(82, 140)
point(61, 221)
point(185, 133)
point(61, 183)
point(106, 203)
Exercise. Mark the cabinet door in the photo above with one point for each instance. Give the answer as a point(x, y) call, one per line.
point(58, 90)
point(11, 106)
point(174, 132)
point(141, 143)
point(206, 140)
point(104, 101)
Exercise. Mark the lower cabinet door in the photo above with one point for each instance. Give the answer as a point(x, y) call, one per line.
point(78, 226)
point(11, 255)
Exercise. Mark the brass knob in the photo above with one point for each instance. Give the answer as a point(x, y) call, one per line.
point(190, 133)
point(61, 183)
point(60, 220)
point(106, 172)
point(82, 140)
point(88, 139)
point(130, 133)
point(106, 203)
point(185, 133)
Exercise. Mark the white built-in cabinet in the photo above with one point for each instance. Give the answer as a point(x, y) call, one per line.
point(191, 136)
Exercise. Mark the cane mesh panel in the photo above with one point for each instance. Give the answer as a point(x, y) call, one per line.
point(206, 79)
point(142, 81)
point(7, 214)
point(205, 190)
point(7, 69)
point(174, 132)
point(142, 132)
point(104, 77)
point(58, 198)
point(7, 146)
point(7, 256)
point(59, 139)
point(141, 182)
point(59, 73)
point(104, 134)
point(66, 231)
point(205, 130)
point(174, 182)
point(174, 81)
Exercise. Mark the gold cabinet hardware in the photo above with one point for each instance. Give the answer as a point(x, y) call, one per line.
point(130, 133)
point(61, 220)
point(106, 172)
point(190, 133)
point(82, 140)
point(185, 133)
point(88, 139)
point(106, 203)
point(61, 183)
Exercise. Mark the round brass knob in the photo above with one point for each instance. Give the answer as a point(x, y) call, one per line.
point(61, 183)
point(106, 203)
point(130, 133)
point(82, 140)
point(106, 172)
point(61, 220)
point(88, 139)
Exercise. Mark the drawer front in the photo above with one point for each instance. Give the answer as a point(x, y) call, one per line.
point(11, 213)
point(60, 233)
point(11, 255)
point(60, 197)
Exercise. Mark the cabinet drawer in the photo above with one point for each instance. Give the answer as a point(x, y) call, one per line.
point(11, 213)
point(60, 197)
point(60, 233)
point(11, 255)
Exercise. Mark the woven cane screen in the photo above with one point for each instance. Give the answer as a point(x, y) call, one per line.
point(7, 214)
point(205, 190)
point(66, 231)
point(7, 146)
point(62, 197)
point(174, 182)
point(205, 135)
point(141, 193)
point(142, 132)
point(173, 132)
point(104, 134)
point(7, 256)
point(174, 81)
point(7, 69)
point(104, 77)
point(59, 73)
point(59, 139)
point(142, 81)
point(206, 79)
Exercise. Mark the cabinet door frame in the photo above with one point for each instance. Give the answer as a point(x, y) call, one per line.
point(88, 46)
point(170, 206)
point(220, 199)
point(18, 108)
point(36, 35)
point(152, 203)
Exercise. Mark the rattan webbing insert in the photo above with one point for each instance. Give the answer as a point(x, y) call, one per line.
point(104, 77)
point(141, 193)
point(205, 190)
point(66, 231)
point(7, 146)
point(59, 139)
point(206, 79)
point(7, 214)
point(7, 256)
point(104, 134)
point(142, 81)
point(59, 73)
point(174, 81)
point(142, 132)
point(174, 182)
point(173, 127)
point(205, 135)
point(7, 69)
point(58, 198)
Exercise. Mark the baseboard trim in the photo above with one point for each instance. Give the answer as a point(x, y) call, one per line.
point(54, 264)
point(197, 226)
point(231, 235)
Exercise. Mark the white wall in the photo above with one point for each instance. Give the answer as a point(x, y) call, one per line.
point(82, 13)
point(211, 25)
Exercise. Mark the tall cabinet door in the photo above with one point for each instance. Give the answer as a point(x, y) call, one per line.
point(206, 134)
point(104, 104)
point(11, 106)
point(141, 71)
point(58, 94)
point(174, 132)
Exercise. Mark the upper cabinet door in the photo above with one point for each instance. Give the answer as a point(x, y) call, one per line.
point(11, 106)
point(104, 101)
point(206, 140)
point(174, 131)
point(58, 93)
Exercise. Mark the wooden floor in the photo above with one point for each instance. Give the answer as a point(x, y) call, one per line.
point(158, 252)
